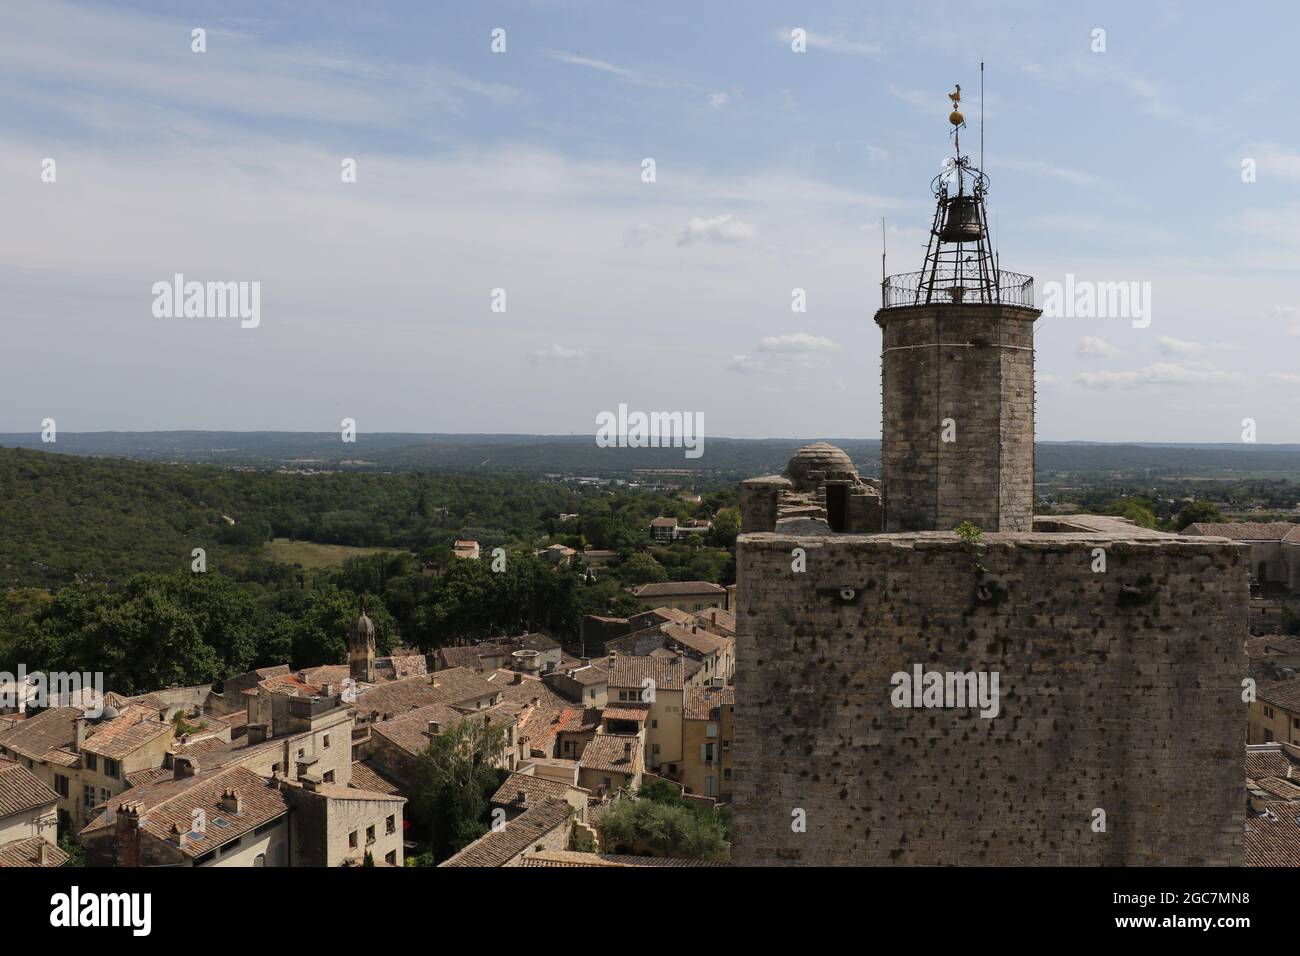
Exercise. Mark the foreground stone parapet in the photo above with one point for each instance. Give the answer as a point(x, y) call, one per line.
point(1120, 693)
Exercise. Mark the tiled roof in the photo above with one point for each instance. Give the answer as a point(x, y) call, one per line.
point(171, 803)
point(1281, 693)
point(1242, 530)
point(664, 523)
point(26, 853)
point(581, 721)
point(697, 639)
point(399, 668)
point(1269, 762)
point(1293, 536)
point(1273, 838)
point(702, 703)
point(367, 777)
point(667, 674)
point(125, 734)
point(1282, 789)
point(589, 675)
point(452, 686)
point(638, 712)
point(670, 588)
point(142, 778)
point(410, 730)
point(536, 789)
point(611, 752)
point(21, 790)
point(574, 858)
point(499, 847)
point(38, 736)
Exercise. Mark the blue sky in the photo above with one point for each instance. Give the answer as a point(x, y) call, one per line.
point(521, 170)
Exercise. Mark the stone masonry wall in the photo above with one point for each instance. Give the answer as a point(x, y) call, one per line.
point(1118, 690)
point(973, 364)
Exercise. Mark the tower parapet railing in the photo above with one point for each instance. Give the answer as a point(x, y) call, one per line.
point(948, 286)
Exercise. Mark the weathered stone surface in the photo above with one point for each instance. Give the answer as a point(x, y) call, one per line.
point(1120, 691)
point(973, 364)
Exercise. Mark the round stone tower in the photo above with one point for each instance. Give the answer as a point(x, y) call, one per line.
point(957, 373)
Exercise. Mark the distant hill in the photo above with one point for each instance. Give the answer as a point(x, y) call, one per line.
point(723, 458)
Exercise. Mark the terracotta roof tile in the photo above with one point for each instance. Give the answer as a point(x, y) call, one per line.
point(26, 853)
point(21, 790)
point(499, 847)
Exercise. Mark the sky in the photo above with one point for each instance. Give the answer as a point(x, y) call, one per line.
point(524, 171)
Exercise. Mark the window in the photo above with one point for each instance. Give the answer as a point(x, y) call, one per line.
point(61, 785)
point(259, 860)
point(711, 730)
point(1268, 736)
point(352, 840)
point(104, 795)
point(726, 773)
point(326, 743)
point(110, 768)
point(370, 835)
point(329, 776)
point(591, 695)
point(654, 724)
point(88, 795)
point(92, 762)
point(1268, 712)
point(391, 858)
point(391, 825)
point(712, 786)
point(301, 753)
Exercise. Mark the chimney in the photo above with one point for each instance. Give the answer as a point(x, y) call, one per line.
point(180, 837)
point(517, 678)
point(713, 617)
point(127, 832)
point(521, 798)
point(78, 734)
point(302, 676)
point(434, 728)
point(257, 734)
point(43, 854)
point(328, 690)
point(183, 767)
point(230, 801)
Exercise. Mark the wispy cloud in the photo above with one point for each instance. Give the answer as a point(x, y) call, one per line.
point(1091, 345)
point(1161, 374)
point(829, 42)
point(725, 228)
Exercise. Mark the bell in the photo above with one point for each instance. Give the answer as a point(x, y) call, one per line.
point(962, 220)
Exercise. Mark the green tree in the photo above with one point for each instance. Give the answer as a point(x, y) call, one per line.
point(454, 778)
point(643, 569)
point(1195, 511)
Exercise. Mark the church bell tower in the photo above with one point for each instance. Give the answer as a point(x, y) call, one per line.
point(361, 649)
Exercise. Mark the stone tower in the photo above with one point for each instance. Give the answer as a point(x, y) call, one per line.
point(957, 372)
point(361, 649)
point(1112, 655)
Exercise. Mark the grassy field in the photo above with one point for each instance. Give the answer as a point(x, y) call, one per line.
point(311, 555)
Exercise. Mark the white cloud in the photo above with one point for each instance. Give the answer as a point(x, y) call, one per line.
point(718, 100)
point(1161, 374)
point(723, 228)
point(789, 352)
point(797, 342)
point(1271, 161)
point(1091, 345)
point(829, 42)
point(1283, 378)
point(1172, 346)
point(603, 66)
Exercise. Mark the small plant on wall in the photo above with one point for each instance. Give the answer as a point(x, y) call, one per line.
point(971, 536)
